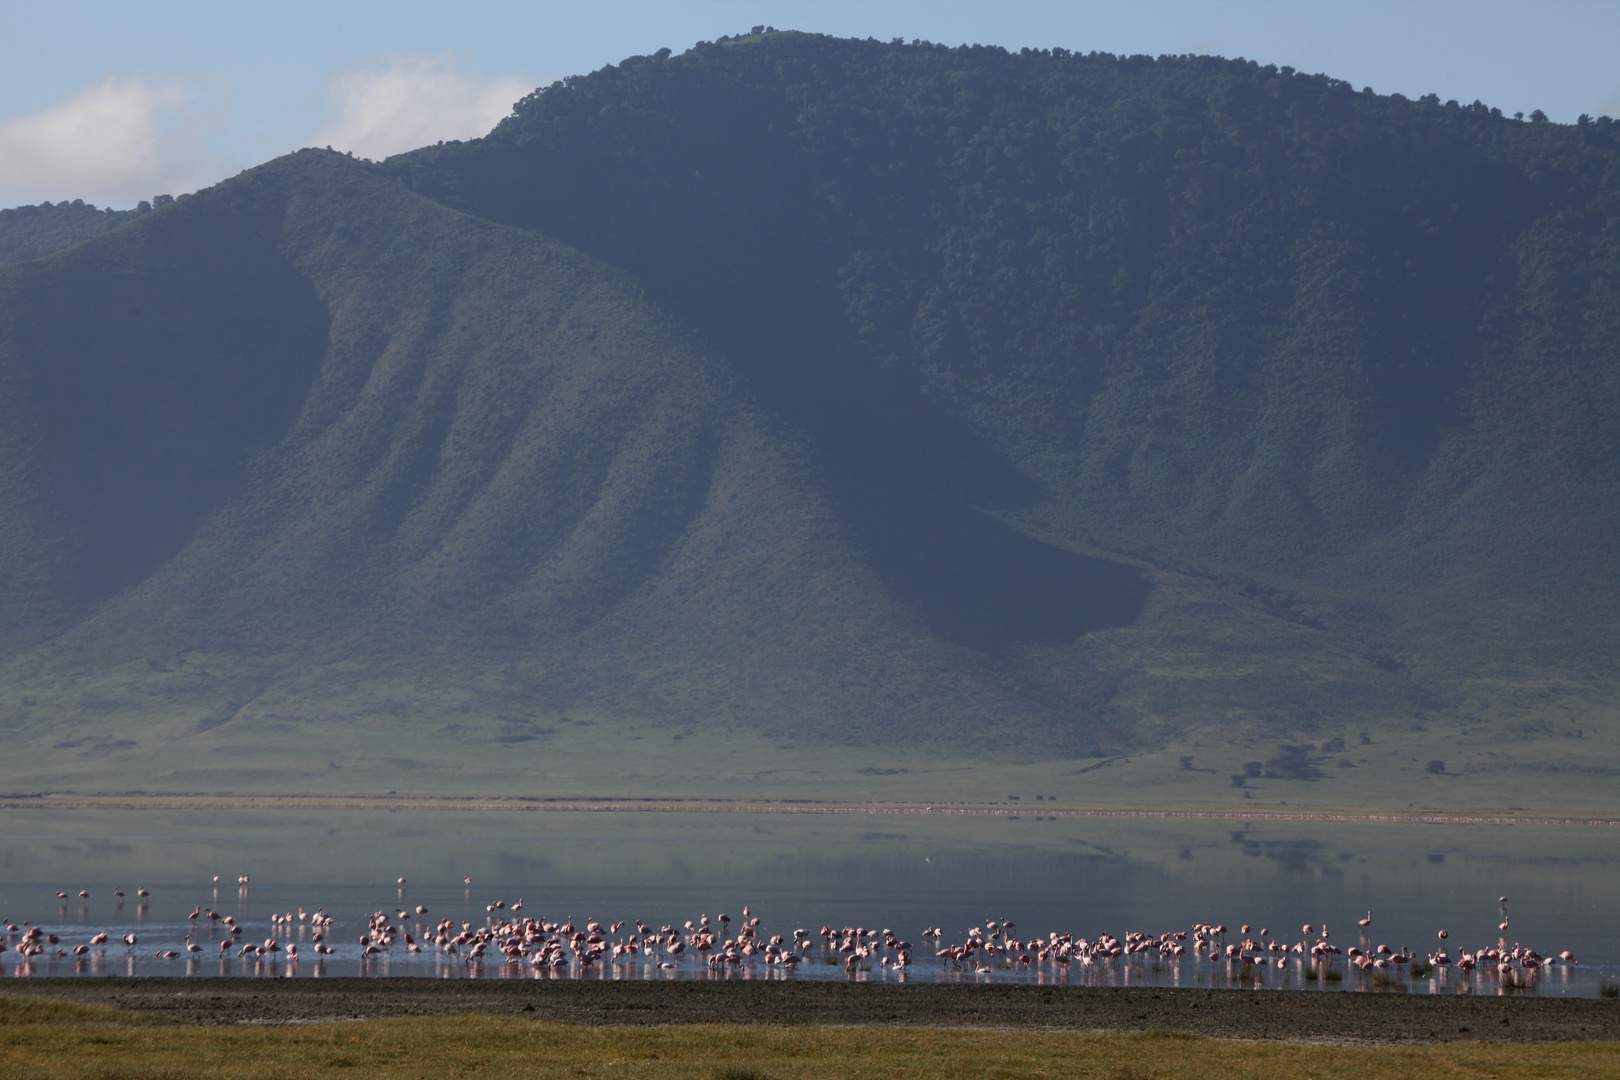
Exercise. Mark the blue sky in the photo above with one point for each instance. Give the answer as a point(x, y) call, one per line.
point(114, 102)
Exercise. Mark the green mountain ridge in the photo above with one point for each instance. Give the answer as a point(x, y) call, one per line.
point(32, 232)
point(797, 411)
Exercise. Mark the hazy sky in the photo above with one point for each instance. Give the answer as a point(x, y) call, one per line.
point(113, 102)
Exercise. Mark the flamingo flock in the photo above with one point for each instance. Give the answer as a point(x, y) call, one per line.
point(997, 942)
point(554, 946)
point(508, 942)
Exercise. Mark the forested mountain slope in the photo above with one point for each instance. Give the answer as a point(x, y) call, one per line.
point(796, 393)
point(1227, 318)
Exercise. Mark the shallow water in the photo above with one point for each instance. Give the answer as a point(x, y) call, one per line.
point(1078, 875)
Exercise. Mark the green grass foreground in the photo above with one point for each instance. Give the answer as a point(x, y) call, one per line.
point(40, 1039)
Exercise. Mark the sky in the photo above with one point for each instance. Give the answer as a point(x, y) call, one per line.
point(114, 102)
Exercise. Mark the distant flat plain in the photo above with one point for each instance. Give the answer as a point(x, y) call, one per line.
point(1486, 773)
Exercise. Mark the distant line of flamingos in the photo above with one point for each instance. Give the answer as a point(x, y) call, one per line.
point(515, 941)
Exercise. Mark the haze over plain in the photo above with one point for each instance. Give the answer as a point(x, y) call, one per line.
point(820, 416)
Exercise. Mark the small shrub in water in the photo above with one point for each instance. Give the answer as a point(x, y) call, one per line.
point(1333, 975)
point(1422, 969)
point(1310, 974)
point(1609, 988)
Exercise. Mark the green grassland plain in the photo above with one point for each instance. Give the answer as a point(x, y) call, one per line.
point(1552, 772)
point(39, 1039)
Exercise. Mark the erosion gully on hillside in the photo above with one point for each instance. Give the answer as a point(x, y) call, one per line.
point(1360, 1018)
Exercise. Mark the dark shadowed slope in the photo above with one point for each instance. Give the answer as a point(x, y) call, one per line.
point(142, 373)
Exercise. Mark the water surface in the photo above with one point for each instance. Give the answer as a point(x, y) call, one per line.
point(906, 874)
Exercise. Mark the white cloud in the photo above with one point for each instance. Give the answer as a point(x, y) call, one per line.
point(116, 141)
point(417, 100)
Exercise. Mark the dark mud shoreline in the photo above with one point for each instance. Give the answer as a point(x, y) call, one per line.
point(1280, 1015)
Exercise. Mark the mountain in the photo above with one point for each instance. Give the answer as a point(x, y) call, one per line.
point(800, 411)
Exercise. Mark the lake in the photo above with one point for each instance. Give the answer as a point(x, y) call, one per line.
point(1085, 876)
